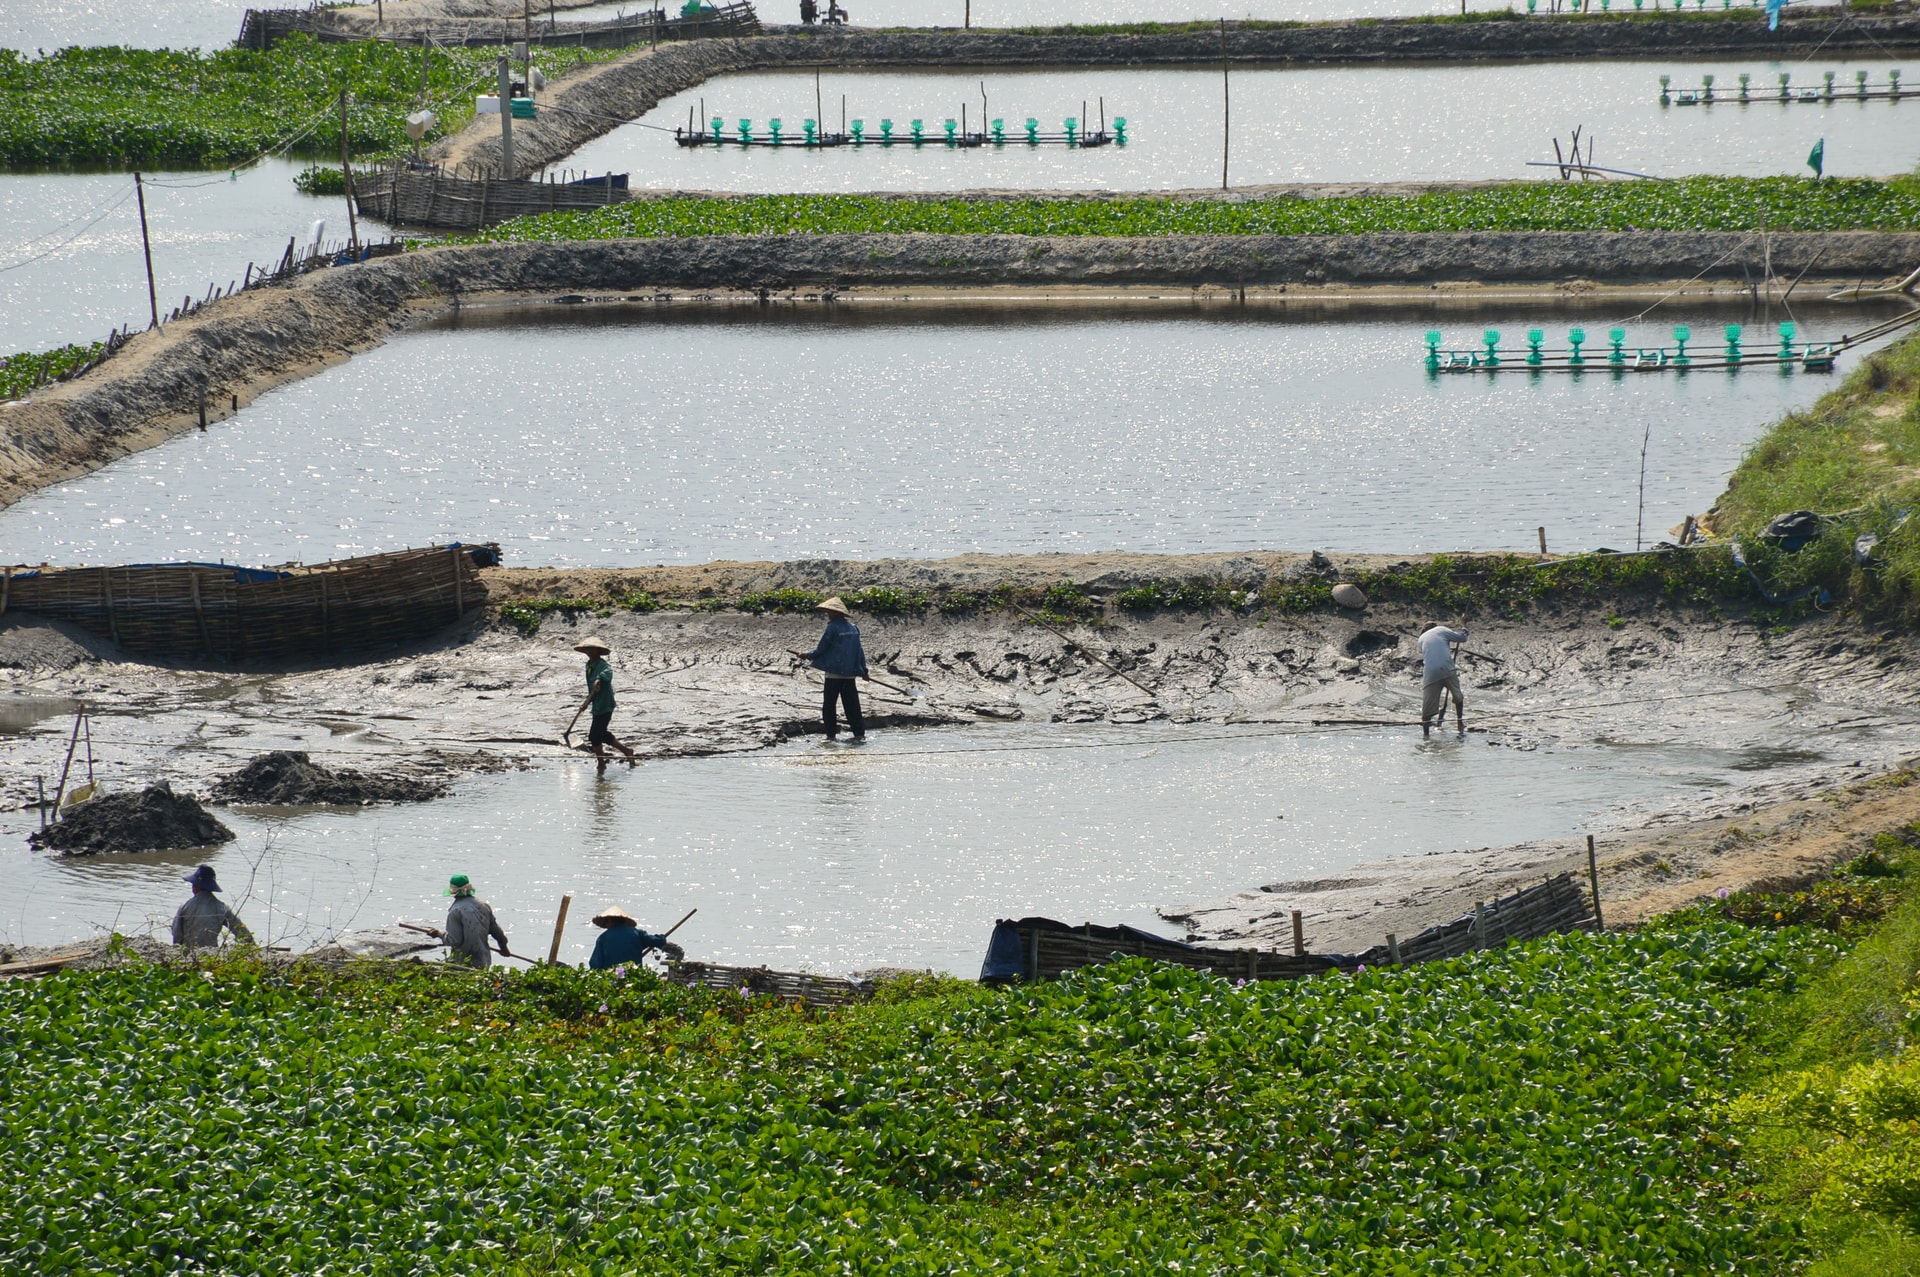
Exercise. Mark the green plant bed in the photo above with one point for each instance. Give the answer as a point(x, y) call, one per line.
point(24, 373)
point(1686, 204)
point(191, 109)
point(1545, 1109)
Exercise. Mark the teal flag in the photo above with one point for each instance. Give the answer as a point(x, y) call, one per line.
point(1817, 157)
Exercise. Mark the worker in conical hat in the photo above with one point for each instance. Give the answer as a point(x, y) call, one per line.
point(600, 696)
point(840, 657)
point(622, 941)
point(200, 921)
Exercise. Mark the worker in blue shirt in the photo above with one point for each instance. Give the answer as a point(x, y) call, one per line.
point(622, 942)
point(840, 657)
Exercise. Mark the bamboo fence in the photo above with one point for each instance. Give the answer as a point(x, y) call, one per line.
point(1043, 949)
point(791, 986)
point(259, 614)
point(430, 197)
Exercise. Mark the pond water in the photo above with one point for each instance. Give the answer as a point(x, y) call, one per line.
point(905, 851)
point(689, 433)
point(72, 268)
point(32, 25)
point(1305, 124)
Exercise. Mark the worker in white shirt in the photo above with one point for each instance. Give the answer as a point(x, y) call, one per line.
point(1439, 677)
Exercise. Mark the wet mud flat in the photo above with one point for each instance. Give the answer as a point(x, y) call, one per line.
point(1767, 719)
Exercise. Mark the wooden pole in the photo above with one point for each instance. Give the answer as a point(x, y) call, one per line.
point(346, 176)
point(819, 112)
point(1226, 106)
point(506, 120)
point(146, 247)
point(72, 744)
point(1543, 542)
point(676, 926)
point(1393, 948)
point(559, 925)
point(1593, 876)
point(1299, 936)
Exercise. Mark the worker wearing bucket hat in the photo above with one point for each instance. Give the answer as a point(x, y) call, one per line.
point(202, 918)
point(622, 941)
point(600, 696)
point(840, 657)
point(470, 924)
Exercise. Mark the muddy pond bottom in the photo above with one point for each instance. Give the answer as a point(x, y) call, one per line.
point(904, 851)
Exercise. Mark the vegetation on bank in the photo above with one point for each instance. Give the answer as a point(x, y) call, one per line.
point(23, 374)
point(1683, 204)
point(1851, 457)
point(189, 109)
point(1551, 1108)
point(1449, 585)
point(1830, 1116)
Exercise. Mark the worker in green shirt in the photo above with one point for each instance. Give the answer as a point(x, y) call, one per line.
point(600, 696)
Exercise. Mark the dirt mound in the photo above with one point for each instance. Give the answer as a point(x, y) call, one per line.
point(289, 778)
point(155, 820)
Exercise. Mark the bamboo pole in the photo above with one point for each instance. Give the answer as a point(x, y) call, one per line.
point(1593, 876)
point(559, 925)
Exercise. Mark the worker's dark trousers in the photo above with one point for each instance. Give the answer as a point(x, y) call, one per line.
point(847, 692)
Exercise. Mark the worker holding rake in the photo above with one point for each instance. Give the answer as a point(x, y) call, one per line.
point(600, 696)
point(1439, 677)
point(840, 657)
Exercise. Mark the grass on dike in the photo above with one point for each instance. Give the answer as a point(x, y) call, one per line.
point(1830, 1115)
point(1851, 455)
point(1550, 1108)
point(1684, 204)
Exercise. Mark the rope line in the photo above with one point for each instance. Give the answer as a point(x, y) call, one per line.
point(28, 261)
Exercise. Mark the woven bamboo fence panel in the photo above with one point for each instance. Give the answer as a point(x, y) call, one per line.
point(245, 614)
point(431, 198)
point(790, 986)
point(1049, 949)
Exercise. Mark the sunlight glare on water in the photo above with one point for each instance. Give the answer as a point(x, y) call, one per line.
point(651, 434)
point(903, 852)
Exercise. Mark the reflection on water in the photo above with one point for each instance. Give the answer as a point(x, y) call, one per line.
point(902, 852)
point(32, 25)
point(1297, 124)
point(651, 434)
point(72, 269)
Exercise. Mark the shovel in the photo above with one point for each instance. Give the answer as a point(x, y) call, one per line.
point(441, 936)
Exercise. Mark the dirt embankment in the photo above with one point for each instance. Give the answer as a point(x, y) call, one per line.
point(240, 346)
point(596, 100)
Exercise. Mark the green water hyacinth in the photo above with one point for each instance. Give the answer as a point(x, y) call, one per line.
point(1542, 1110)
point(1687, 204)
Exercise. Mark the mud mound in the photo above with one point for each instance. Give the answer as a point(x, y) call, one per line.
point(288, 778)
point(155, 820)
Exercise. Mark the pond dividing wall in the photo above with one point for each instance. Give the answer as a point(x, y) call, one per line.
point(649, 433)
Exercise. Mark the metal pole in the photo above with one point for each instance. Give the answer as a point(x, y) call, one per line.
point(146, 247)
point(506, 120)
point(1226, 105)
point(346, 177)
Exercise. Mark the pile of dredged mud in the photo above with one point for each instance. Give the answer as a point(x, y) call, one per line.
point(156, 819)
point(289, 778)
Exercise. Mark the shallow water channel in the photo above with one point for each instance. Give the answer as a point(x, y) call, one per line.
point(904, 852)
point(1298, 124)
point(687, 433)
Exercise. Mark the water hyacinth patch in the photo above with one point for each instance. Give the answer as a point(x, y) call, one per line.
point(1547, 1109)
point(1688, 204)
